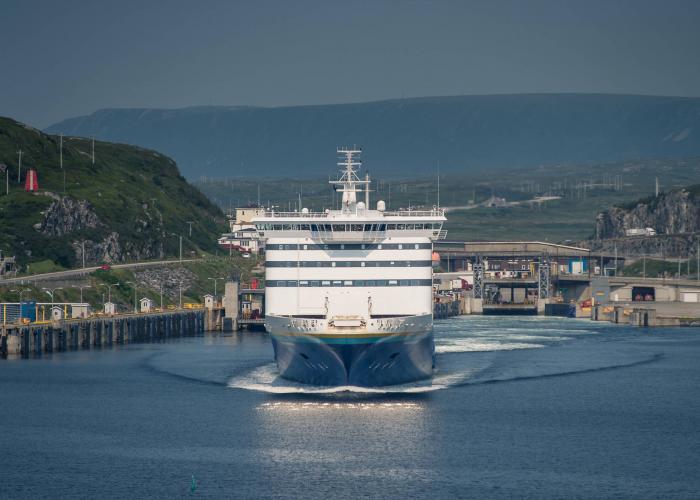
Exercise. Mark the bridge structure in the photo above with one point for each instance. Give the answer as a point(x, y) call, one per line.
point(523, 277)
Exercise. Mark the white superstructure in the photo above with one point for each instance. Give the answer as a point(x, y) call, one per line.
point(356, 267)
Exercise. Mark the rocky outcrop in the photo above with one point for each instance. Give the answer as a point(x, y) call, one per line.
point(66, 215)
point(112, 249)
point(674, 213)
point(169, 278)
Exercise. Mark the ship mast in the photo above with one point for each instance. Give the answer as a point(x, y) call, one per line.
point(349, 183)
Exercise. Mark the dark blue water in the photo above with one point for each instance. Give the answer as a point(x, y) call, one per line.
point(520, 407)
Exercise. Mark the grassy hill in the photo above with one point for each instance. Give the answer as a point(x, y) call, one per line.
point(407, 137)
point(131, 204)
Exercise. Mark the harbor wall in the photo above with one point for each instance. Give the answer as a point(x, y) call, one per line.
point(65, 335)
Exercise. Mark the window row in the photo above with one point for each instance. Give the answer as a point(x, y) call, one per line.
point(355, 283)
point(340, 228)
point(350, 246)
point(349, 263)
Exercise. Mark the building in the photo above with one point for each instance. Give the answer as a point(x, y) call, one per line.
point(110, 308)
point(80, 310)
point(243, 237)
point(56, 313)
point(209, 301)
point(146, 305)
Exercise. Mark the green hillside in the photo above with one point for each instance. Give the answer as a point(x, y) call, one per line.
point(131, 204)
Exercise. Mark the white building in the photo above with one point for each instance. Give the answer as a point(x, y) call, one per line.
point(243, 236)
point(80, 310)
point(110, 308)
point(146, 305)
point(56, 313)
point(209, 301)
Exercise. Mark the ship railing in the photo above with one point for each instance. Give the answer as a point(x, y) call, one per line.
point(438, 212)
point(442, 234)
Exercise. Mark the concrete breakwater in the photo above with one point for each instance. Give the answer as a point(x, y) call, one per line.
point(65, 335)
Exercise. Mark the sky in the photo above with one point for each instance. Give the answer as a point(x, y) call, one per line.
point(68, 58)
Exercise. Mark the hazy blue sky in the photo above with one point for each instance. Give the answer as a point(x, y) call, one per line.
point(66, 58)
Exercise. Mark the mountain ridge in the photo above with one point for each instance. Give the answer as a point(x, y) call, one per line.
point(407, 137)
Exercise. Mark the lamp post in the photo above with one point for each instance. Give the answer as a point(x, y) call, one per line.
point(180, 236)
point(109, 289)
point(161, 295)
point(135, 291)
point(51, 292)
point(180, 306)
point(215, 280)
point(81, 290)
point(20, 292)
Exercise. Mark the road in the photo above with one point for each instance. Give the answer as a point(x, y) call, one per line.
point(87, 270)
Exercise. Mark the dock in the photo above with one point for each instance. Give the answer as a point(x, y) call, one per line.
point(97, 332)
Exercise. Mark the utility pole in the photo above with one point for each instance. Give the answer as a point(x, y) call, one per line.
point(180, 248)
point(93, 150)
point(60, 150)
point(644, 265)
point(83, 253)
point(190, 224)
point(19, 165)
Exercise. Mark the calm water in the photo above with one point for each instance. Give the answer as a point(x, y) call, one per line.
point(520, 407)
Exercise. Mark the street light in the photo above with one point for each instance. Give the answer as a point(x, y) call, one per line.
point(51, 292)
point(180, 295)
point(135, 288)
point(215, 280)
point(109, 289)
point(81, 290)
point(21, 291)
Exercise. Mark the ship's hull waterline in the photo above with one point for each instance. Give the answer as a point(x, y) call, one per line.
point(395, 351)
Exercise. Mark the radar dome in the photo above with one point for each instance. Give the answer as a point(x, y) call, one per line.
point(304, 210)
point(361, 205)
point(381, 206)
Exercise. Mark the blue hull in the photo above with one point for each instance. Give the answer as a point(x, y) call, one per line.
point(371, 362)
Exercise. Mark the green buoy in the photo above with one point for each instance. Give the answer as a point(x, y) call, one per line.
point(193, 485)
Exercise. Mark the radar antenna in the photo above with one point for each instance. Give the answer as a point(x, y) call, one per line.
point(349, 183)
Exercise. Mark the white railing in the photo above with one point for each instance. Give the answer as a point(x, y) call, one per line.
point(438, 212)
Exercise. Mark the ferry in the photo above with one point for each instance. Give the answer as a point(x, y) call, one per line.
point(348, 291)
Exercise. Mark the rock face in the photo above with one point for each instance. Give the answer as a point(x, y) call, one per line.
point(112, 250)
point(673, 213)
point(66, 215)
point(169, 278)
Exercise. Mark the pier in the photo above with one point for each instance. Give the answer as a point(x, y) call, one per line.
point(99, 331)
